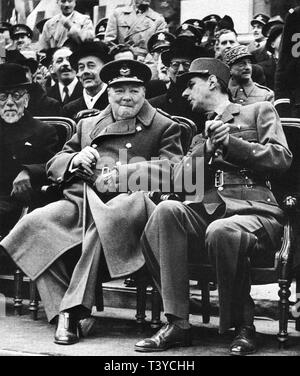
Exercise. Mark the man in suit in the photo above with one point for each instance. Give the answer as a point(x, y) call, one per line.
point(235, 218)
point(88, 61)
point(26, 145)
point(134, 25)
point(67, 87)
point(243, 90)
point(105, 227)
point(67, 25)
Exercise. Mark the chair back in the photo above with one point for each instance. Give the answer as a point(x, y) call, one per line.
point(65, 128)
point(188, 130)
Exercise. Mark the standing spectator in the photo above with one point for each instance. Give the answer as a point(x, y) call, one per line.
point(88, 60)
point(67, 88)
point(135, 25)
point(287, 78)
point(243, 90)
point(4, 32)
point(258, 22)
point(69, 24)
point(26, 144)
point(272, 46)
point(21, 36)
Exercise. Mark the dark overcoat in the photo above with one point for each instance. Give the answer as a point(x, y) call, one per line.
point(58, 227)
point(53, 92)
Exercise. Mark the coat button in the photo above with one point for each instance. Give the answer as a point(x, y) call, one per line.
point(220, 189)
point(139, 128)
point(128, 145)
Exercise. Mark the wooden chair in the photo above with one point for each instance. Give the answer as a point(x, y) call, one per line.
point(12, 284)
point(281, 269)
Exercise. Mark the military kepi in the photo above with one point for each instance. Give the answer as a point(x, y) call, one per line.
point(125, 71)
point(204, 67)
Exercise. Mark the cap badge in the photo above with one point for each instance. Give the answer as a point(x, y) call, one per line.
point(196, 23)
point(101, 29)
point(185, 26)
point(125, 71)
point(161, 36)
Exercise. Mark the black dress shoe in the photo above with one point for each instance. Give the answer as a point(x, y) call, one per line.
point(168, 336)
point(245, 341)
point(66, 331)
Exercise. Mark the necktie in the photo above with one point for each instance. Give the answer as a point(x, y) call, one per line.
point(67, 96)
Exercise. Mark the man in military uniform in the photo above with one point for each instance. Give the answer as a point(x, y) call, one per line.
point(287, 77)
point(106, 228)
point(237, 214)
point(21, 35)
point(135, 25)
point(88, 61)
point(243, 90)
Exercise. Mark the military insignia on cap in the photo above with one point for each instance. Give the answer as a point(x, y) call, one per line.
point(125, 71)
point(260, 18)
point(185, 26)
point(102, 28)
point(161, 36)
point(196, 23)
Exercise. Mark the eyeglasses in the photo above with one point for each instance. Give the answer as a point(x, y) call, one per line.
point(176, 64)
point(15, 95)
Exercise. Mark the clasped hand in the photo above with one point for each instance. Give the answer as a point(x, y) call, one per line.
point(87, 158)
point(218, 134)
point(22, 189)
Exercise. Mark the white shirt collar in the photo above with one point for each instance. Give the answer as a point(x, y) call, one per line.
point(71, 88)
point(90, 101)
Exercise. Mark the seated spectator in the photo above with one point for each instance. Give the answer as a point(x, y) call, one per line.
point(228, 221)
point(21, 36)
point(69, 24)
point(88, 61)
point(272, 46)
point(243, 90)
point(228, 39)
point(109, 230)
point(26, 145)
point(134, 25)
point(67, 88)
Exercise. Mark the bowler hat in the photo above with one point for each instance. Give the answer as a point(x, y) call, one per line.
point(260, 18)
point(13, 76)
point(125, 71)
point(19, 29)
point(236, 53)
point(160, 41)
point(90, 48)
point(204, 67)
point(275, 32)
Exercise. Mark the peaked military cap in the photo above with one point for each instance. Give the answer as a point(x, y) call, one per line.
point(236, 53)
point(190, 31)
point(20, 29)
point(101, 27)
point(125, 71)
point(273, 21)
point(180, 48)
point(4, 26)
point(260, 18)
point(206, 66)
point(90, 48)
point(160, 41)
point(226, 23)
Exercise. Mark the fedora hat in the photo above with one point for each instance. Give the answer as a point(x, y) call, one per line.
point(13, 76)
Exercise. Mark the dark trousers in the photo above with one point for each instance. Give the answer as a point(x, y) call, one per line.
point(229, 243)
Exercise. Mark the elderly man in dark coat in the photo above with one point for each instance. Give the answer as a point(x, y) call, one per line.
point(243, 147)
point(26, 145)
point(129, 129)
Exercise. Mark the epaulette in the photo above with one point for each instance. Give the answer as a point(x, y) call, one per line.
point(164, 113)
point(86, 114)
point(262, 87)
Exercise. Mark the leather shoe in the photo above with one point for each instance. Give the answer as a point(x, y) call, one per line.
point(66, 331)
point(168, 336)
point(86, 326)
point(245, 341)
